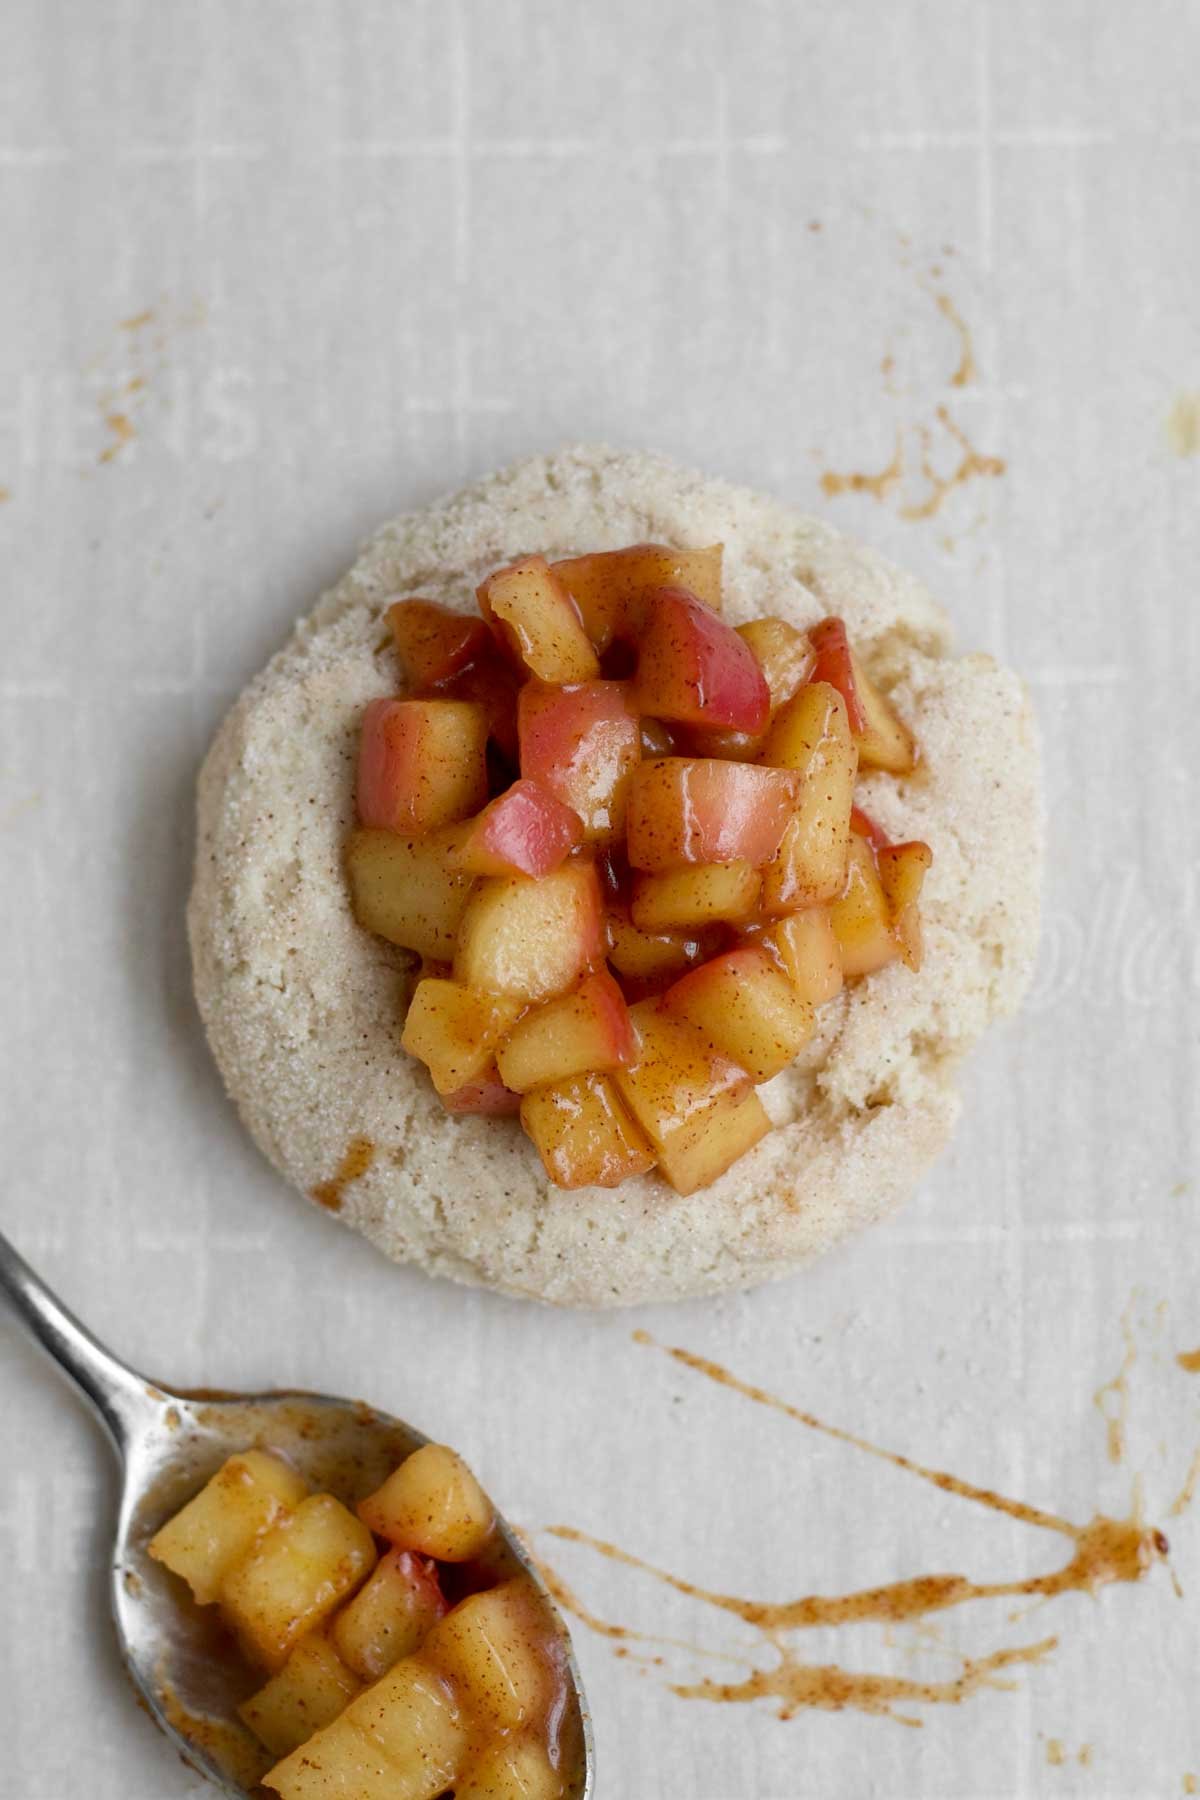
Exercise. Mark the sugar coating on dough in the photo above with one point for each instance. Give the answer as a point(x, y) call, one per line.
point(304, 1009)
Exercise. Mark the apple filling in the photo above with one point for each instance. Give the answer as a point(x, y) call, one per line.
point(377, 1686)
point(622, 838)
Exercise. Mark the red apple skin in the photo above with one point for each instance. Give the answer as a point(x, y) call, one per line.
point(693, 669)
point(433, 642)
point(583, 743)
point(487, 1094)
point(866, 827)
point(420, 764)
point(832, 644)
point(526, 831)
point(706, 810)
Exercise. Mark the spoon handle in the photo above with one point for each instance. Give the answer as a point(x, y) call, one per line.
point(120, 1398)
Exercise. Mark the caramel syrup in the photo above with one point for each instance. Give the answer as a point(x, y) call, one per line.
point(1102, 1552)
point(360, 1154)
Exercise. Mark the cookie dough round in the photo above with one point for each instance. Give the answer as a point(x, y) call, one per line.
point(304, 1008)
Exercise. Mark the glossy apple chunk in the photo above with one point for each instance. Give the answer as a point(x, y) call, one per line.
point(861, 918)
point(586, 1029)
point(421, 764)
point(431, 1504)
point(433, 642)
point(513, 1769)
point(743, 1006)
point(209, 1536)
point(486, 1095)
point(531, 939)
point(808, 950)
point(583, 1133)
point(524, 831)
point(608, 586)
point(498, 1651)
point(538, 621)
point(902, 871)
point(389, 1617)
point(492, 685)
point(685, 810)
point(695, 670)
point(650, 956)
point(696, 1106)
point(409, 889)
point(811, 735)
point(684, 900)
point(883, 739)
point(454, 1030)
point(404, 1739)
point(313, 1687)
point(786, 659)
point(582, 743)
point(295, 1576)
point(416, 1719)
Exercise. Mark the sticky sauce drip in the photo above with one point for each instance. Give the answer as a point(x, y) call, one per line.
point(1113, 1398)
point(1102, 1552)
point(1189, 1361)
point(360, 1154)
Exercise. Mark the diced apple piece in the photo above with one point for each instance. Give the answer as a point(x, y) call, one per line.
point(583, 744)
point(532, 939)
point(583, 1134)
point(525, 831)
point(902, 870)
point(408, 889)
point(705, 894)
point(294, 1578)
point(454, 1030)
point(342, 1763)
point(492, 685)
point(786, 658)
point(313, 1687)
point(586, 1029)
point(861, 919)
point(743, 1006)
point(421, 764)
point(433, 642)
point(649, 955)
point(538, 621)
point(413, 1716)
point(487, 1094)
point(390, 1617)
point(514, 1769)
point(697, 1107)
point(784, 654)
point(498, 1651)
point(685, 810)
point(432, 1504)
point(805, 945)
point(811, 735)
point(693, 669)
point(883, 739)
point(609, 585)
point(219, 1527)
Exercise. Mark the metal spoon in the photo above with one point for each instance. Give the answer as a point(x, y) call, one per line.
point(168, 1444)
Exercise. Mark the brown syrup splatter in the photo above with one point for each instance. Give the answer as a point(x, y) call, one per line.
point(231, 1747)
point(878, 485)
point(1187, 1492)
point(966, 373)
point(1190, 1785)
point(1189, 1360)
point(971, 466)
point(138, 320)
point(360, 1154)
point(5, 494)
point(121, 427)
point(1103, 1551)
point(1112, 1400)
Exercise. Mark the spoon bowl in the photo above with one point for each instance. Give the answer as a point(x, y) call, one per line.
point(168, 1444)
